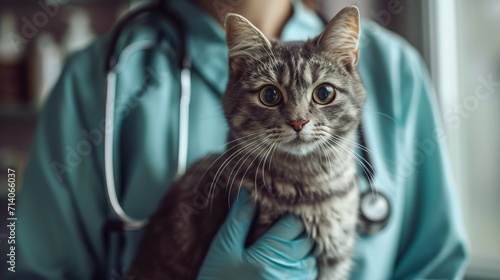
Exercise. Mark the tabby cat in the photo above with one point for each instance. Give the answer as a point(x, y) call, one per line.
point(293, 109)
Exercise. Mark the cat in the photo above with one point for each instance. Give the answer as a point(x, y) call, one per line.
point(293, 109)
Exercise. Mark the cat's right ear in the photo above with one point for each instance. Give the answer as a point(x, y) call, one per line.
point(243, 39)
point(341, 36)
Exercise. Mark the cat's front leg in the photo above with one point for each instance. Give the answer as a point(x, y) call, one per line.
point(334, 261)
point(334, 232)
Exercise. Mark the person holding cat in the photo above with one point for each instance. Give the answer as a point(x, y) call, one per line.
point(63, 209)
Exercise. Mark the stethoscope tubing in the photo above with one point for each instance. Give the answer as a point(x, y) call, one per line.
point(127, 221)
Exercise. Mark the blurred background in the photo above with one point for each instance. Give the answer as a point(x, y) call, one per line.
point(459, 40)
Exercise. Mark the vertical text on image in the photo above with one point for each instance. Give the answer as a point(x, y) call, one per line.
point(11, 219)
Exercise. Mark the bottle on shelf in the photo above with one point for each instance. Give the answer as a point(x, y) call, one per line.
point(79, 32)
point(47, 66)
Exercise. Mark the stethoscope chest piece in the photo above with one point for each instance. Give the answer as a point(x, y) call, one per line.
point(374, 212)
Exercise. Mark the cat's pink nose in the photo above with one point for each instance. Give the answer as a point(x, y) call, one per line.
point(298, 125)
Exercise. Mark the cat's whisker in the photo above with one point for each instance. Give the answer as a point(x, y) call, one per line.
point(348, 141)
point(321, 145)
point(262, 159)
point(244, 158)
point(272, 156)
point(243, 110)
point(263, 165)
point(273, 148)
point(335, 152)
point(343, 161)
point(366, 170)
point(362, 161)
point(385, 115)
point(258, 166)
point(253, 138)
point(230, 182)
point(248, 168)
point(364, 148)
point(326, 135)
point(351, 142)
point(241, 140)
point(241, 158)
point(353, 177)
point(223, 166)
point(329, 157)
point(228, 160)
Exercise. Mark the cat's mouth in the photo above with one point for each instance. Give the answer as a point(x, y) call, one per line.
point(297, 141)
point(298, 145)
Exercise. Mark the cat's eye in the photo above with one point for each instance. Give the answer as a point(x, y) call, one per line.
point(270, 96)
point(324, 94)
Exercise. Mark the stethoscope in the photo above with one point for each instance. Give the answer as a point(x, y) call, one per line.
point(375, 207)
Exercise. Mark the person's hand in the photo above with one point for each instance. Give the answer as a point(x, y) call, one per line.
point(283, 252)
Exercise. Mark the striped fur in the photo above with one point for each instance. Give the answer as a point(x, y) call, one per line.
point(311, 173)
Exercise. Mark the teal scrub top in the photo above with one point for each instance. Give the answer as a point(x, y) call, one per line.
point(63, 206)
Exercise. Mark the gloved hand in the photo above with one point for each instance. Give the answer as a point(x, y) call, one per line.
point(283, 252)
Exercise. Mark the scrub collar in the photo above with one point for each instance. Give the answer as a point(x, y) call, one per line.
point(304, 24)
point(206, 39)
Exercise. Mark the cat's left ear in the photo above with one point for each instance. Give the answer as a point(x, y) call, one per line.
point(244, 40)
point(341, 36)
